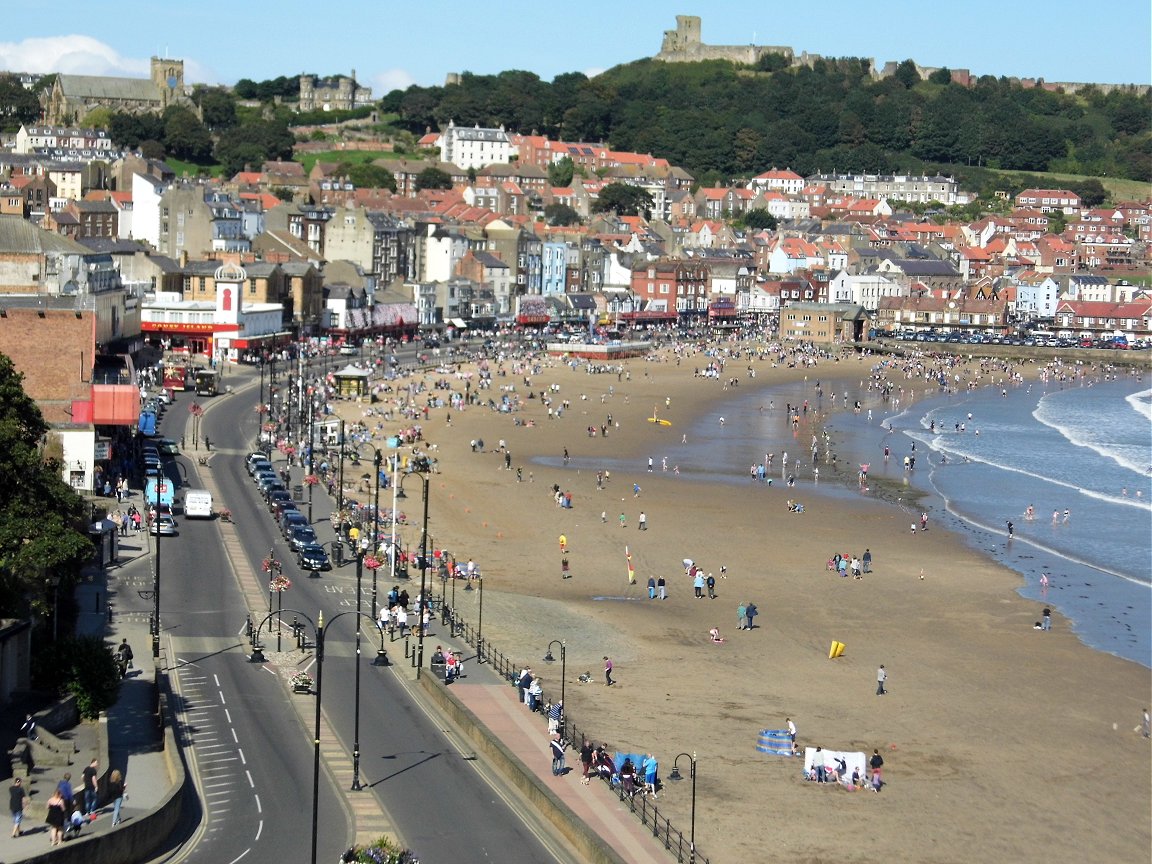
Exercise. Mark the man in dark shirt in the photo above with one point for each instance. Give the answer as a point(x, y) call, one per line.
point(90, 775)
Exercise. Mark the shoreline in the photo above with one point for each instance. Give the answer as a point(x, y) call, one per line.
point(944, 638)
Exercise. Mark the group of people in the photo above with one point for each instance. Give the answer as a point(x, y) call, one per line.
point(846, 563)
point(632, 778)
point(67, 811)
point(451, 662)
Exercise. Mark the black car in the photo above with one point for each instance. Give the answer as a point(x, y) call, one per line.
point(311, 556)
point(302, 536)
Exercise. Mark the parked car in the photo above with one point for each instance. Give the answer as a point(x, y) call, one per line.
point(168, 447)
point(311, 556)
point(282, 507)
point(258, 465)
point(301, 536)
point(290, 520)
point(164, 525)
point(278, 495)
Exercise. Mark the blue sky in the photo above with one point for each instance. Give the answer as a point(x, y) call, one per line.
point(393, 44)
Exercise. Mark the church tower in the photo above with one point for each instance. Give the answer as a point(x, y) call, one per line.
point(168, 79)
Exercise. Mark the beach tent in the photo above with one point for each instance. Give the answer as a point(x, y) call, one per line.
point(855, 761)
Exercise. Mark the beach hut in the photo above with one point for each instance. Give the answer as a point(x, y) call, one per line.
point(351, 381)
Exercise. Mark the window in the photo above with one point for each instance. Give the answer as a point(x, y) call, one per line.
point(203, 284)
point(251, 286)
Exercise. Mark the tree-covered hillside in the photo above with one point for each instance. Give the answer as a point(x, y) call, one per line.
point(718, 119)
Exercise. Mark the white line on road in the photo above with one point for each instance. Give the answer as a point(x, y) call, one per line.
point(241, 855)
point(259, 831)
point(243, 761)
point(250, 781)
point(259, 808)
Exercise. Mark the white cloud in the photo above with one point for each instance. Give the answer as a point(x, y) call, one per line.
point(83, 55)
point(385, 82)
point(75, 55)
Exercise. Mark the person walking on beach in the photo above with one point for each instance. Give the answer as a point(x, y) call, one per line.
point(750, 612)
point(881, 678)
point(711, 581)
point(651, 588)
point(741, 616)
point(563, 544)
point(1146, 726)
point(866, 561)
point(623, 521)
point(661, 586)
point(643, 521)
point(1046, 619)
point(698, 585)
point(1011, 529)
point(608, 682)
point(791, 733)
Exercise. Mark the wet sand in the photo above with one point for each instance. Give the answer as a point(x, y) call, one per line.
point(1000, 742)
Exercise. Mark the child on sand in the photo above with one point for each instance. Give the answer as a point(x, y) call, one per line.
point(714, 635)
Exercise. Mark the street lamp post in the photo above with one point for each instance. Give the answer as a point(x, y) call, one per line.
point(320, 630)
point(548, 658)
point(421, 469)
point(480, 621)
point(340, 490)
point(675, 776)
point(156, 575)
point(356, 722)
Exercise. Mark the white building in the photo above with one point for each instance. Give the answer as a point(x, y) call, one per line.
point(36, 139)
point(146, 192)
point(787, 182)
point(895, 187)
point(1037, 299)
point(475, 148)
point(862, 290)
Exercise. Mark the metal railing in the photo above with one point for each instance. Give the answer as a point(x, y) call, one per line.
point(644, 808)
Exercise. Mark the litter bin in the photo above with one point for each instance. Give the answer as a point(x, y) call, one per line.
point(337, 553)
point(297, 493)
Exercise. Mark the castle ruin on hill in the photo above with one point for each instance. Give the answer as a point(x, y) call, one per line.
point(683, 45)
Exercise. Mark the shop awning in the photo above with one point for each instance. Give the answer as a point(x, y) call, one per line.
point(459, 323)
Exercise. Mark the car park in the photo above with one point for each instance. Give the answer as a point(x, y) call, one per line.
point(311, 556)
point(301, 536)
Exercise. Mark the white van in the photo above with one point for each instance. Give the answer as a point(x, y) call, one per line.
point(198, 504)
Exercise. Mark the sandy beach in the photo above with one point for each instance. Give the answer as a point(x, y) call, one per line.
point(1000, 742)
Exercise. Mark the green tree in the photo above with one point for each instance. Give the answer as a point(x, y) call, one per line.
point(218, 107)
point(253, 144)
point(368, 176)
point(185, 137)
point(129, 130)
point(942, 76)
point(433, 178)
point(561, 214)
point(17, 105)
point(906, 74)
point(40, 514)
point(623, 199)
point(98, 118)
point(83, 666)
point(758, 219)
point(560, 173)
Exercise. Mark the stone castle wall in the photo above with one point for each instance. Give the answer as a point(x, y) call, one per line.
point(684, 45)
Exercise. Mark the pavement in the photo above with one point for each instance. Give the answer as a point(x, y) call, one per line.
point(495, 703)
point(133, 742)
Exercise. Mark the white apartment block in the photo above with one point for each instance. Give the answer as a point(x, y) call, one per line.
point(475, 148)
point(895, 187)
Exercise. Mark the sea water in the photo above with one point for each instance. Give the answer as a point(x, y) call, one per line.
point(1078, 454)
point(1085, 448)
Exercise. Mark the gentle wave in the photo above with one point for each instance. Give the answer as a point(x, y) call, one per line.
point(1141, 403)
point(1023, 538)
point(1046, 414)
point(937, 444)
